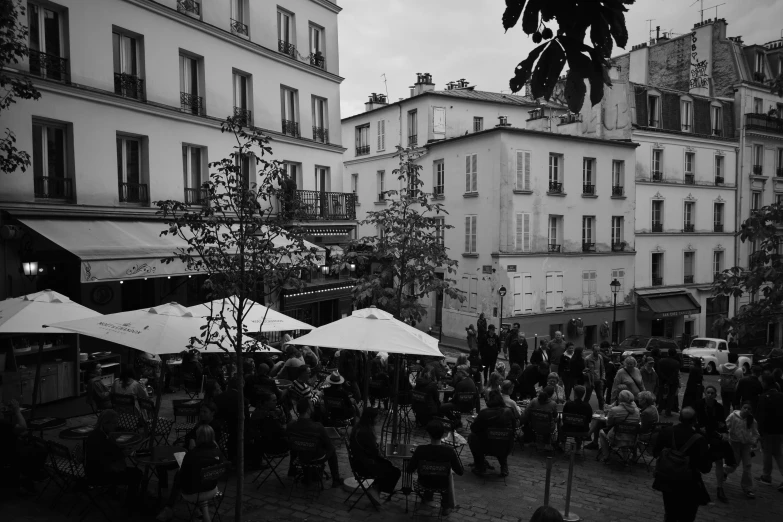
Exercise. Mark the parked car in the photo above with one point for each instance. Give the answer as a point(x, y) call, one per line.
point(713, 352)
point(639, 346)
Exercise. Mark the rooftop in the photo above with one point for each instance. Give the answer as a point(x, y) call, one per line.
point(517, 130)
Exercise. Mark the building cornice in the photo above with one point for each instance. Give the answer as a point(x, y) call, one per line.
point(563, 254)
point(331, 6)
point(226, 36)
point(761, 134)
point(370, 158)
point(679, 233)
point(639, 132)
point(536, 133)
point(642, 181)
point(76, 211)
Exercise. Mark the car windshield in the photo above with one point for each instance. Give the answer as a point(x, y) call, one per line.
point(702, 343)
point(635, 342)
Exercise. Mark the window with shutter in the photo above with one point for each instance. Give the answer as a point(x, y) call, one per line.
point(464, 286)
point(619, 275)
point(518, 301)
point(527, 289)
point(474, 173)
point(550, 291)
point(470, 234)
point(589, 290)
point(439, 120)
point(474, 293)
point(381, 135)
point(523, 170)
point(522, 232)
point(558, 290)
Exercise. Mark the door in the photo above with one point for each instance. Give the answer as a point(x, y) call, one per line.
point(589, 335)
point(49, 388)
point(657, 327)
point(65, 380)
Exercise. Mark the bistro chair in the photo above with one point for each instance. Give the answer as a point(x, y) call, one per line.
point(338, 416)
point(307, 466)
point(625, 441)
point(128, 421)
point(122, 403)
point(191, 385)
point(363, 483)
point(381, 391)
point(543, 427)
point(62, 468)
point(189, 415)
point(646, 441)
point(500, 442)
point(420, 408)
point(434, 473)
point(217, 473)
point(272, 461)
point(571, 428)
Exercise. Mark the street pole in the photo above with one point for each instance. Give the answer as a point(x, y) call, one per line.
point(614, 320)
point(500, 325)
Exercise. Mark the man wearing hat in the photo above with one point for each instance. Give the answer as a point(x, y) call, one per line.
point(649, 377)
point(336, 392)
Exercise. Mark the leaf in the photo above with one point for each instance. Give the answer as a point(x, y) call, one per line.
point(530, 16)
point(547, 71)
point(616, 20)
point(512, 13)
point(575, 90)
point(524, 69)
point(601, 37)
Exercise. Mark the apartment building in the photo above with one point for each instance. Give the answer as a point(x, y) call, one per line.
point(133, 95)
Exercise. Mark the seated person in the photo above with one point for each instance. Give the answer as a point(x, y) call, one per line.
point(506, 389)
point(435, 451)
point(25, 461)
point(128, 385)
point(380, 383)
point(267, 426)
point(214, 369)
point(495, 415)
point(203, 455)
point(266, 382)
point(336, 392)
point(212, 389)
point(192, 370)
point(426, 383)
point(305, 427)
point(515, 376)
point(98, 395)
point(206, 415)
point(625, 412)
point(293, 359)
point(368, 459)
point(463, 385)
point(251, 381)
point(648, 413)
point(558, 391)
point(533, 377)
point(493, 384)
point(105, 461)
point(228, 412)
point(579, 407)
point(543, 403)
point(300, 388)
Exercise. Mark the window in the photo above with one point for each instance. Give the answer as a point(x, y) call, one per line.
point(686, 112)
point(440, 230)
point(758, 106)
point(618, 170)
point(317, 46)
point(323, 179)
point(523, 170)
point(554, 233)
point(381, 185)
point(759, 65)
point(588, 176)
point(127, 81)
point(355, 186)
point(363, 140)
point(690, 158)
point(189, 85)
point(779, 172)
point(242, 98)
point(618, 274)
point(657, 164)
point(413, 126)
point(554, 290)
point(522, 232)
point(438, 178)
point(687, 266)
point(687, 216)
point(470, 234)
point(289, 110)
point(471, 173)
point(589, 290)
point(717, 217)
point(239, 18)
point(588, 233)
point(286, 36)
point(192, 168)
point(657, 215)
point(617, 231)
point(522, 285)
point(50, 161)
point(46, 44)
point(473, 294)
point(555, 173)
point(717, 120)
point(129, 170)
point(321, 120)
point(717, 262)
point(656, 264)
point(755, 200)
point(758, 159)
point(245, 164)
point(719, 170)
point(439, 122)
point(294, 171)
point(381, 135)
point(478, 124)
point(654, 110)
point(190, 7)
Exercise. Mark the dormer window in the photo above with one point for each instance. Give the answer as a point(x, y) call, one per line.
point(716, 113)
point(759, 63)
point(653, 110)
point(686, 111)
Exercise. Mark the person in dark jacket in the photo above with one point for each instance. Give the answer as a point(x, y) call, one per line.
point(532, 376)
point(681, 499)
point(476, 367)
point(515, 348)
point(769, 415)
point(481, 330)
point(368, 459)
point(576, 370)
point(435, 451)
point(267, 429)
point(426, 384)
point(540, 353)
point(228, 412)
point(711, 422)
point(205, 454)
point(749, 388)
point(495, 415)
point(669, 381)
point(564, 369)
point(610, 370)
point(206, 415)
point(694, 388)
point(579, 407)
point(463, 385)
point(305, 427)
point(98, 394)
point(489, 355)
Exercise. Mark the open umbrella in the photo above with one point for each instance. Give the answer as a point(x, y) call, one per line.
point(258, 318)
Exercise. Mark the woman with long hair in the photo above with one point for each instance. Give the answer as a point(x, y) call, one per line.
point(128, 385)
point(368, 459)
point(743, 437)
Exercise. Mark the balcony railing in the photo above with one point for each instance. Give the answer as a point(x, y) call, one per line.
point(129, 86)
point(757, 170)
point(657, 281)
point(238, 27)
point(286, 48)
point(719, 180)
point(47, 187)
point(556, 187)
point(381, 196)
point(618, 246)
point(243, 116)
point(686, 127)
point(133, 192)
point(717, 132)
point(688, 279)
point(688, 227)
point(413, 140)
point(657, 227)
point(48, 65)
point(318, 60)
point(196, 196)
point(690, 179)
point(779, 172)
point(588, 189)
point(291, 128)
point(588, 247)
point(191, 103)
point(717, 227)
point(362, 150)
point(327, 206)
point(765, 123)
point(437, 191)
point(189, 6)
point(617, 190)
point(320, 134)
point(554, 247)
point(656, 176)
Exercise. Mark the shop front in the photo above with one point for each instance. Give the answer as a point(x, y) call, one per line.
point(662, 313)
point(319, 304)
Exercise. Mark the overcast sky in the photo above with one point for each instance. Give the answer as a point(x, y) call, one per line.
point(453, 39)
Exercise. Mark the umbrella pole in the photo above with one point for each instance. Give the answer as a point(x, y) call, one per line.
point(159, 394)
point(366, 386)
point(395, 397)
point(37, 380)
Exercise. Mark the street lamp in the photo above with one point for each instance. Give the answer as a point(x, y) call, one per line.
point(616, 285)
point(502, 293)
point(30, 269)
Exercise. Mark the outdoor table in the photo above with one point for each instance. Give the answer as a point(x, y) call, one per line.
point(77, 432)
point(405, 453)
point(46, 423)
point(160, 456)
point(126, 439)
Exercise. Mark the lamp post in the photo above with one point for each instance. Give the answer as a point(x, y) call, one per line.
point(615, 284)
point(502, 293)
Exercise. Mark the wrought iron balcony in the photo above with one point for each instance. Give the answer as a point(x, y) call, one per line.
point(291, 128)
point(413, 140)
point(129, 86)
point(191, 103)
point(318, 60)
point(656, 176)
point(690, 179)
point(327, 206)
point(554, 247)
point(196, 196)
point(717, 132)
point(686, 127)
point(657, 227)
point(617, 190)
point(320, 134)
point(243, 116)
point(719, 180)
point(48, 66)
point(764, 123)
point(618, 246)
point(286, 48)
point(189, 6)
point(588, 189)
point(133, 192)
point(688, 279)
point(238, 27)
point(757, 170)
point(779, 172)
point(48, 187)
point(555, 187)
point(688, 227)
point(362, 150)
point(717, 227)
point(657, 281)
point(588, 247)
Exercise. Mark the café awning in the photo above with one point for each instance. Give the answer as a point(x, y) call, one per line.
point(118, 250)
point(671, 303)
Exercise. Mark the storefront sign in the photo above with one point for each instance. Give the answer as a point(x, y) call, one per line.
point(511, 268)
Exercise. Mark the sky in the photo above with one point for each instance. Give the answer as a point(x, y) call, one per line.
point(454, 39)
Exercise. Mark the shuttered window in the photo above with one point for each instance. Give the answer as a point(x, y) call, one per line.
point(381, 135)
point(522, 285)
point(471, 175)
point(522, 232)
point(523, 170)
point(473, 298)
point(470, 234)
point(589, 291)
point(554, 290)
point(619, 275)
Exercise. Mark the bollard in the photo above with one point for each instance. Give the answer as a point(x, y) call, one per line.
point(548, 479)
point(567, 515)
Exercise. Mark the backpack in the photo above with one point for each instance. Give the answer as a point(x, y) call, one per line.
point(728, 380)
point(674, 464)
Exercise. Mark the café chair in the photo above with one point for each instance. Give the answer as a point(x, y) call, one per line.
point(543, 428)
point(217, 473)
point(420, 408)
point(191, 385)
point(646, 441)
point(571, 428)
point(272, 461)
point(433, 473)
point(122, 403)
point(338, 416)
point(500, 442)
point(190, 414)
point(363, 484)
point(63, 469)
point(380, 391)
point(306, 465)
point(624, 443)
point(163, 427)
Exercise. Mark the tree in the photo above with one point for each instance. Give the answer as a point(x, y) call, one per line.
point(13, 48)
point(404, 258)
point(246, 242)
point(606, 22)
point(762, 279)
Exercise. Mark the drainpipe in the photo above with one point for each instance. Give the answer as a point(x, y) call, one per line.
point(739, 196)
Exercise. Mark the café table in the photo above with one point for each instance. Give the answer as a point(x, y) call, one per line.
point(45, 423)
point(403, 452)
point(160, 457)
point(78, 433)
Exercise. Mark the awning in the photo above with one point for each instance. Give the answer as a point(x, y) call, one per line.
point(671, 303)
point(118, 250)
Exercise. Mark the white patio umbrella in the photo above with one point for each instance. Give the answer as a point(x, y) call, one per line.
point(257, 316)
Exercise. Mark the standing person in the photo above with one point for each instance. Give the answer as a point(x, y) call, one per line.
point(472, 337)
point(611, 369)
point(577, 369)
point(516, 347)
point(682, 495)
point(595, 373)
point(630, 376)
point(649, 377)
point(730, 375)
point(749, 388)
point(669, 374)
point(770, 422)
point(711, 422)
point(743, 437)
point(541, 353)
point(489, 356)
point(694, 388)
point(564, 369)
point(481, 328)
point(556, 349)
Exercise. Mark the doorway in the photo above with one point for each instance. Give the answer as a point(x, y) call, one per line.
point(589, 336)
